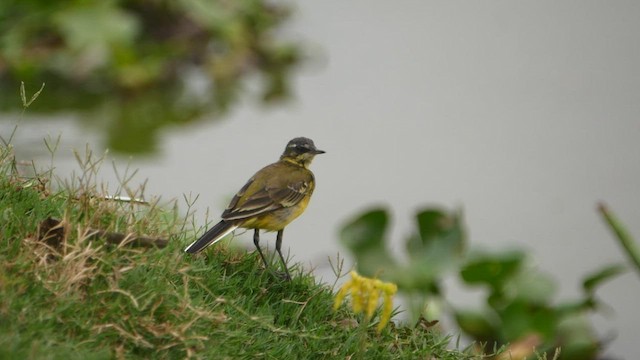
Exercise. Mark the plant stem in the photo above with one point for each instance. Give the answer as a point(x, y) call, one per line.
point(623, 236)
point(362, 341)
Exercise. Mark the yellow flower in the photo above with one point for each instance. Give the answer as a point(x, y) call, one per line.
point(365, 294)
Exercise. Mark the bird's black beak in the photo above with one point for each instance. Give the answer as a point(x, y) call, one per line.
point(317, 152)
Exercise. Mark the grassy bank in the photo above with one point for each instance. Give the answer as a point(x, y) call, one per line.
point(67, 293)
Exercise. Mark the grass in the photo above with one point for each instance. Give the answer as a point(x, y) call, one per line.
point(76, 297)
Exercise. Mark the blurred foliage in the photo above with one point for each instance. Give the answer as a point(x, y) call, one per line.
point(136, 66)
point(519, 307)
point(628, 244)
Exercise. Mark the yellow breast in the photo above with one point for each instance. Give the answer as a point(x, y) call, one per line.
point(278, 219)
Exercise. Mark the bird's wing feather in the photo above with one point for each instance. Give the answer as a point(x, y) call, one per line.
point(212, 236)
point(266, 200)
point(234, 202)
point(256, 204)
point(292, 194)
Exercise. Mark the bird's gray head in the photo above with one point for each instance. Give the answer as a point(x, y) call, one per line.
point(300, 150)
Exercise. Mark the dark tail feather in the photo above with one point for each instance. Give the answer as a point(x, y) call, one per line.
point(213, 235)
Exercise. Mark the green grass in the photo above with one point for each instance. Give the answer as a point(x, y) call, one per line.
point(81, 298)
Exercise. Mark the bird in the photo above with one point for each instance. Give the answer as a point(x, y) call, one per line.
point(272, 198)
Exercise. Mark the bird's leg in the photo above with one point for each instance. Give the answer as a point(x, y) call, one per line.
point(278, 246)
point(256, 242)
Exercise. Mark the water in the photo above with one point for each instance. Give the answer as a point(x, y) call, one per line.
point(524, 113)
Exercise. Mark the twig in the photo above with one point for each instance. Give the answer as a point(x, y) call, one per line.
point(111, 237)
point(119, 238)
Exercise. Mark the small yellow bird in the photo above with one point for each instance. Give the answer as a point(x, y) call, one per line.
point(273, 197)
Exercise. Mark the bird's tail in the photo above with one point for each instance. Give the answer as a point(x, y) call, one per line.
point(213, 235)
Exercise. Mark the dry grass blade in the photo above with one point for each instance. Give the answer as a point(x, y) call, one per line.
point(65, 267)
point(125, 293)
point(135, 337)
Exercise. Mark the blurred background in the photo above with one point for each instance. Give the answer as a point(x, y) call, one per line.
point(523, 114)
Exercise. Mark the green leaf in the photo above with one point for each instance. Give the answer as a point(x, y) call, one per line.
point(436, 225)
point(431, 224)
point(577, 338)
point(533, 287)
point(571, 308)
point(476, 324)
point(439, 234)
point(367, 231)
point(592, 281)
point(492, 269)
point(625, 239)
point(365, 238)
point(433, 250)
point(520, 319)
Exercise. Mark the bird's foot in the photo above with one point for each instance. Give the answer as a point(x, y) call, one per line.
point(283, 275)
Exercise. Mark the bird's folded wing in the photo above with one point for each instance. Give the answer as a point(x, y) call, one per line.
point(265, 200)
